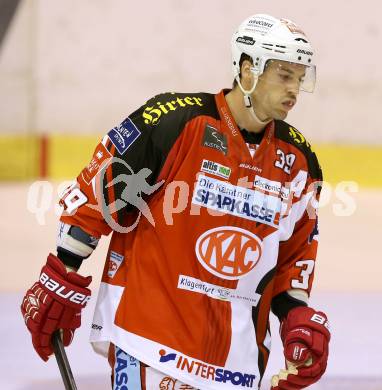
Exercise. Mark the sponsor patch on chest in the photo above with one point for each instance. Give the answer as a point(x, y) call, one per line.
point(215, 168)
point(241, 202)
point(217, 292)
point(213, 139)
point(271, 186)
point(228, 252)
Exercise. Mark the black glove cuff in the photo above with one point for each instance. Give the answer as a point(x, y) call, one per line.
point(282, 303)
point(69, 258)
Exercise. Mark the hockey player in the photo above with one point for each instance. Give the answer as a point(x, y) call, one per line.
point(211, 201)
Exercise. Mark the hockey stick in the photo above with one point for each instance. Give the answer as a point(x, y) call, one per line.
point(63, 362)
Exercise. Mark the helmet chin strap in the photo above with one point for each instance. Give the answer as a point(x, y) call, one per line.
point(248, 99)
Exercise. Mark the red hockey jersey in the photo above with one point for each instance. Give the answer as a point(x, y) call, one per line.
point(205, 233)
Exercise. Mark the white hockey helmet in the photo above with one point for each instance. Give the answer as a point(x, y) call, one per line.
point(264, 37)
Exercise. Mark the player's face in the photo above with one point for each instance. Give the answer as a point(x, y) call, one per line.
point(277, 89)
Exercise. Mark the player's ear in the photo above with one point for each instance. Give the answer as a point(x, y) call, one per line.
point(246, 74)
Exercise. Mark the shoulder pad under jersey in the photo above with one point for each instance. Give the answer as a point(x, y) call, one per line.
point(165, 115)
point(174, 107)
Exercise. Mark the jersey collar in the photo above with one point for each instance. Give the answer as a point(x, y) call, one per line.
point(227, 117)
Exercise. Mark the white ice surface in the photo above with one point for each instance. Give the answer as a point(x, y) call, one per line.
point(355, 356)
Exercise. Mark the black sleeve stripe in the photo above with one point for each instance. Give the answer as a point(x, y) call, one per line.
point(166, 115)
point(69, 258)
point(160, 122)
point(283, 303)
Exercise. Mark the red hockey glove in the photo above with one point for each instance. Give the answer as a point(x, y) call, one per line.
point(54, 302)
point(305, 335)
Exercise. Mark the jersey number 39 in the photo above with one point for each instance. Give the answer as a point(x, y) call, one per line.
point(285, 161)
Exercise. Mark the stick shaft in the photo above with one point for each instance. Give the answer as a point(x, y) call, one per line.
point(63, 362)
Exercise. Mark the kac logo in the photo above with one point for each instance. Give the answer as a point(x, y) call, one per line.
point(228, 252)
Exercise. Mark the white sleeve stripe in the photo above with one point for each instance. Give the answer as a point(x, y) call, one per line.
point(296, 212)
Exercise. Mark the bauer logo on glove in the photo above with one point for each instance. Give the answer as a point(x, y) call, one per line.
point(54, 302)
point(62, 291)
